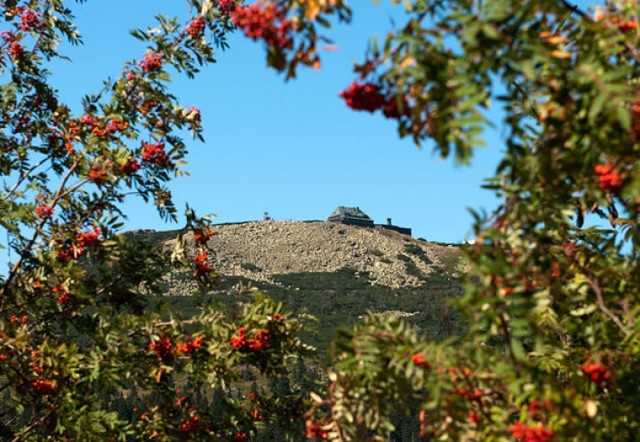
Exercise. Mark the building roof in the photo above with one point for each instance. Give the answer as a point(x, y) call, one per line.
point(350, 212)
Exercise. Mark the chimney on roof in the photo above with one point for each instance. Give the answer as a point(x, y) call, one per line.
point(388, 221)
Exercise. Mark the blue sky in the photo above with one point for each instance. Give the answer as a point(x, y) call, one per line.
point(293, 149)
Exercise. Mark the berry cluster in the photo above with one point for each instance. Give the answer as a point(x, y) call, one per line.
point(256, 415)
point(202, 236)
point(71, 133)
point(628, 25)
point(392, 110)
point(189, 424)
point(154, 153)
point(30, 20)
point(15, 319)
point(116, 126)
point(36, 362)
point(130, 167)
point(63, 295)
point(83, 240)
point(89, 121)
point(525, 433)
point(89, 239)
point(97, 175)
point(226, 6)
point(315, 430)
point(44, 211)
point(163, 348)
point(264, 22)
point(151, 62)
point(196, 27)
point(201, 268)
point(473, 418)
point(420, 360)
point(369, 97)
point(42, 385)
point(608, 178)
point(190, 345)
point(14, 49)
point(596, 373)
point(259, 341)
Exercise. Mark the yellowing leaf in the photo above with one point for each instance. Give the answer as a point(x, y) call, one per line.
point(313, 8)
point(560, 54)
point(409, 61)
point(556, 39)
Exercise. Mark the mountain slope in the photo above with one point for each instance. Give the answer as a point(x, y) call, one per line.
point(335, 272)
point(260, 250)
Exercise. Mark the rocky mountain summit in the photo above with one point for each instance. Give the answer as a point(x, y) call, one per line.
point(260, 250)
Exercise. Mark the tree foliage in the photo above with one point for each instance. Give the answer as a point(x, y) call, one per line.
point(551, 350)
point(79, 329)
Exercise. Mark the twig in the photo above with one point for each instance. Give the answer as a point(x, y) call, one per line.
point(5, 386)
point(25, 175)
point(575, 9)
point(33, 425)
point(507, 335)
point(596, 288)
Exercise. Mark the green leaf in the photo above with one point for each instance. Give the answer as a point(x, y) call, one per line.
point(623, 117)
point(596, 106)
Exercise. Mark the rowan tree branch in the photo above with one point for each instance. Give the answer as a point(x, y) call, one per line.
point(59, 194)
point(574, 9)
point(24, 176)
point(603, 308)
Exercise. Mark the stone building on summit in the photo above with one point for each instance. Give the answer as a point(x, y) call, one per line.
point(350, 215)
point(355, 217)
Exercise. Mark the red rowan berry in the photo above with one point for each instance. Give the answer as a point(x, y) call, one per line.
point(539, 433)
point(163, 348)
point(154, 153)
point(196, 28)
point(201, 237)
point(420, 360)
point(44, 211)
point(29, 20)
point(226, 6)
point(42, 386)
point(201, 267)
point(260, 22)
point(97, 175)
point(130, 167)
point(367, 97)
point(596, 373)
point(151, 62)
point(609, 178)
